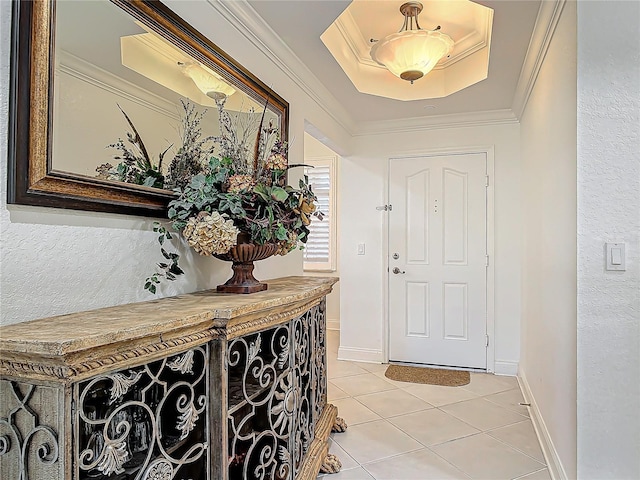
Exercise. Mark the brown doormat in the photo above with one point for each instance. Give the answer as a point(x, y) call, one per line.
point(431, 376)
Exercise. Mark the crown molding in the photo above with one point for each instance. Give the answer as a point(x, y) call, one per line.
point(76, 67)
point(246, 20)
point(434, 122)
point(543, 30)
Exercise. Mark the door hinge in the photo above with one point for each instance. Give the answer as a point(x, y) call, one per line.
point(386, 208)
point(486, 344)
point(486, 184)
point(486, 260)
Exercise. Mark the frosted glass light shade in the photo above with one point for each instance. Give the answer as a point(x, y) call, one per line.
point(411, 54)
point(208, 82)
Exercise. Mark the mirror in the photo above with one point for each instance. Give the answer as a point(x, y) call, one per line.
point(112, 100)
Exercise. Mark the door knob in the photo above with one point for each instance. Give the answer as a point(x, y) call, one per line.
point(396, 270)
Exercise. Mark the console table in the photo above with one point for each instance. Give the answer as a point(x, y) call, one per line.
point(198, 386)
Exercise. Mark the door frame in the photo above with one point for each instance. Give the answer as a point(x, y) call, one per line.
point(490, 272)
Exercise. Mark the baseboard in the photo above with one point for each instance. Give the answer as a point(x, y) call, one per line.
point(506, 368)
point(333, 324)
point(554, 464)
point(355, 354)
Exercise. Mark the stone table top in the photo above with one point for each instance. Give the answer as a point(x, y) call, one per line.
point(66, 335)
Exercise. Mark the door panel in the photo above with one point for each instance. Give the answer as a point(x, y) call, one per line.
point(417, 309)
point(454, 217)
point(456, 313)
point(418, 221)
point(437, 227)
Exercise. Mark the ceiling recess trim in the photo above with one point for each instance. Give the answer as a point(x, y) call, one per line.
point(244, 18)
point(347, 40)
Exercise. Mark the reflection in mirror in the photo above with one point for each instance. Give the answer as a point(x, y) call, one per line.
point(130, 106)
point(105, 98)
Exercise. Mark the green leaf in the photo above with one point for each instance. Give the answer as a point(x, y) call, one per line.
point(149, 182)
point(279, 194)
point(176, 270)
point(197, 181)
point(262, 191)
point(152, 289)
point(165, 254)
point(281, 233)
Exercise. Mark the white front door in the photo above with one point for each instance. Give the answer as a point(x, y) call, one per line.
point(437, 260)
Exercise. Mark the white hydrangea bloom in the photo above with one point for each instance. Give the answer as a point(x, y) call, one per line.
point(211, 233)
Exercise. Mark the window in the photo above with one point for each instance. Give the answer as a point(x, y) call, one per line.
point(320, 250)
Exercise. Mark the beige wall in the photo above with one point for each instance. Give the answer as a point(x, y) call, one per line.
point(314, 149)
point(548, 143)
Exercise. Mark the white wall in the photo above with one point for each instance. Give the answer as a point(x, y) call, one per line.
point(608, 342)
point(313, 149)
point(362, 277)
point(57, 261)
point(81, 137)
point(548, 142)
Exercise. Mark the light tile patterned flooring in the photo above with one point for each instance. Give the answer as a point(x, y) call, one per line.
point(402, 431)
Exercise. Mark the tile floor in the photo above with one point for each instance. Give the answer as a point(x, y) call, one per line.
point(401, 431)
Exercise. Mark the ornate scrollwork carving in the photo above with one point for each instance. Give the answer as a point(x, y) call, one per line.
point(183, 363)
point(159, 470)
point(152, 427)
point(121, 384)
point(38, 442)
point(273, 397)
point(262, 399)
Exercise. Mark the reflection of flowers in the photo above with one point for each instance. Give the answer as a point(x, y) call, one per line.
point(210, 233)
point(136, 166)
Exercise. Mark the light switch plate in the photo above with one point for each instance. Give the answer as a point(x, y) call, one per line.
point(615, 253)
point(361, 249)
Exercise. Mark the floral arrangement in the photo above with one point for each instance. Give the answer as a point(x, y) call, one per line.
point(240, 195)
point(136, 166)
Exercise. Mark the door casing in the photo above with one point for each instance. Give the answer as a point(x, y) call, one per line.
point(489, 152)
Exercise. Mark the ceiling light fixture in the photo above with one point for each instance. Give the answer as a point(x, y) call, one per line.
point(207, 81)
point(412, 52)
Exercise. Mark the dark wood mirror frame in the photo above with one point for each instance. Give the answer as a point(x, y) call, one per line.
point(31, 179)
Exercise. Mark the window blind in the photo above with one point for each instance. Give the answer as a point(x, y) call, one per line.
point(318, 247)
